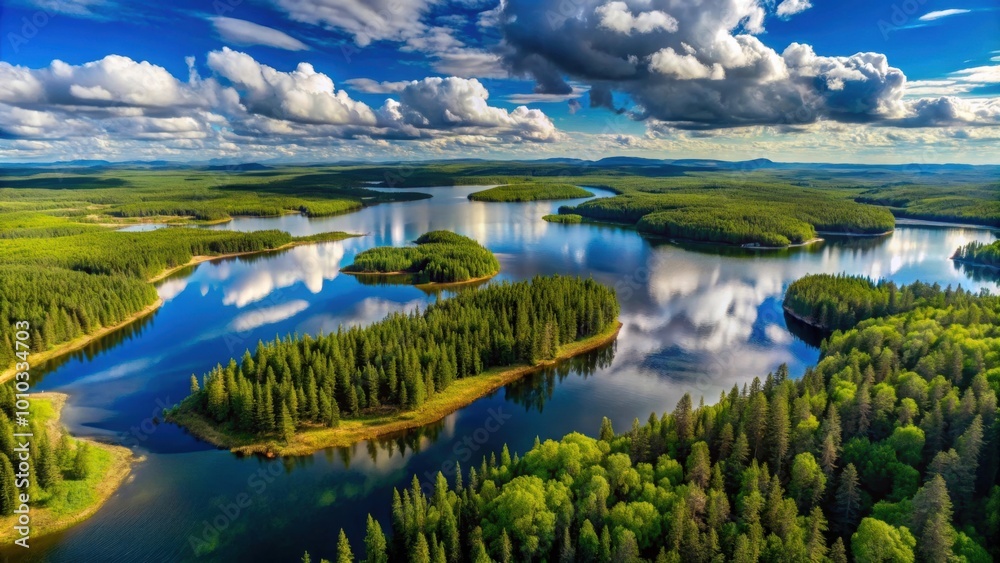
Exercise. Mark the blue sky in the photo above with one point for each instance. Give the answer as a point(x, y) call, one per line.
point(326, 80)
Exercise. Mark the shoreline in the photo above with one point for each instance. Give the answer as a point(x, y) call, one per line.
point(82, 341)
point(42, 522)
point(861, 235)
point(805, 320)
point(975, 264)
point(460, 394)
point(201, 258)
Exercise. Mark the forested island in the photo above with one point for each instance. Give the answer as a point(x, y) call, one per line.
point(294, 396)
point(764, 217)
point(886, 450)
point(71, 478)
point(979, 254)
point(438, 257)
point(530, 191)
point(568, 218)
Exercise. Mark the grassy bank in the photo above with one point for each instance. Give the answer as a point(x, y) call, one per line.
point(459, 394)
point(70, 501)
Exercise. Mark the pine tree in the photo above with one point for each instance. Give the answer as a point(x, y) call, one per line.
point(375, 543)
point(344, 553)
point(607, 432)
point(931, 520)
point(848, 498)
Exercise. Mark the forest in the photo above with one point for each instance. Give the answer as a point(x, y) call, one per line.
point(838, 302)
point(763, 216)
point(567, 219)
point(530, 191)
point(969, 203)
point(437, 257)
point(401, 361)
point(886, 450)
point(66, 472)
point(979, 254)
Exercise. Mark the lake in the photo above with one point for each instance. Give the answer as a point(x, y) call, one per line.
point(697, 319)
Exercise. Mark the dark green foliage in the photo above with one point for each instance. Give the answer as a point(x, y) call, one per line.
point(980, 254)
point(967, 203)
point(568, 218)
point(663, 492)
point(439, 256)
point(760, 216)
point(530, 191)
point(840, 302)
point(402, 361)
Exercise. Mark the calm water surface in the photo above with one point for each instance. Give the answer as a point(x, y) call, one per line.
point(696, 319)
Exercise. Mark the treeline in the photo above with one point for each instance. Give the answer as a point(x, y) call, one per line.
point(838, 302)
point(400, 362)
point(530, 191)
point(61, 305)
point(59, 466)
point(979, 253)
point(766, 216)
point(76, 278)
point(439, 256)
point(886, 450)
point(964, 203)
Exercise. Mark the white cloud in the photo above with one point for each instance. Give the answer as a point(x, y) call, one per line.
point(242, 32)
point(683, 67)
point(268, 315)
point(617, 16)
point(369, 86)
point(938, 14)
point(302, 95)
point(365, 20)
point(789, 8)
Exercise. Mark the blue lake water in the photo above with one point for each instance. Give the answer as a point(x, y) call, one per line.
point(697, 319)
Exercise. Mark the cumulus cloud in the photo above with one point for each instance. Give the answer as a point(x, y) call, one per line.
point(789, 8)
point(302, 95)
point(617, 16)
point(244, 104)
point(242, 32)
point(708, 69)
point(461, 104)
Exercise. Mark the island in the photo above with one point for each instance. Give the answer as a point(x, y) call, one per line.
point(979, 254)
point(767, 217)
point(530, 191)
point(438, 257)
point(869, 453)
point(294, 396)
point(568, 218)
point(72, 477)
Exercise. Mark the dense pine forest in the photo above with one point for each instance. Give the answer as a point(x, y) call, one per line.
point(747, 216)
point(439, 256)
point(886, 450)
point(979, 254)
point(530, 191)
point(840, 302)
point(400, 362)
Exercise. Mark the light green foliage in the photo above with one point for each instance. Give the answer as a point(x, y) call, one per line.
point(876, 541)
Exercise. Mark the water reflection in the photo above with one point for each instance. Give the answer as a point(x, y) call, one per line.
point(696, 319)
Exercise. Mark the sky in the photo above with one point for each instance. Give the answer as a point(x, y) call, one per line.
point(867, 81)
